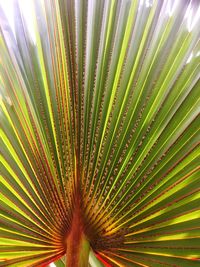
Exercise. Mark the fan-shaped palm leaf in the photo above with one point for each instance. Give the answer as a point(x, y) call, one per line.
point(100, 134)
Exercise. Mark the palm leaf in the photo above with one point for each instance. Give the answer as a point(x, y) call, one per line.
point(100, 135)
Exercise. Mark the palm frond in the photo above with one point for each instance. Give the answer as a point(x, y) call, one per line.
point(100, 134)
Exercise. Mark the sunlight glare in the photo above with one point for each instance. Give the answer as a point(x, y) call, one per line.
point(27, 10)
point(192, 17)
point(189, 58)
point(171, 6)
point(7, 7)
point(198, 54)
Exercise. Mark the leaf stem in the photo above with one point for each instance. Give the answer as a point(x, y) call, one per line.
point(77, 245)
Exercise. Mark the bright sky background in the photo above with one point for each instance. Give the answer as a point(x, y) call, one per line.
point(27, 8)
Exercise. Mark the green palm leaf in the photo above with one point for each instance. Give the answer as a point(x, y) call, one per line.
point(100, 134)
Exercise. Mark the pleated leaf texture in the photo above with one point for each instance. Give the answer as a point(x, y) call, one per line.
point(100, 134)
